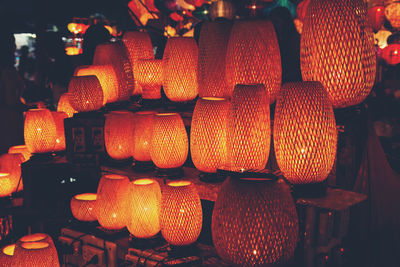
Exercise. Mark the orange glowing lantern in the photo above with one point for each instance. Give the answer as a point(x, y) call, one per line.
point(337, 49)
point(253, 56)
point(144, 208)
point(254, 222)
point(35, 254)
point(391, 54)
point(65, 106)
point(39, 131)
point(249, 130)
point(7, 255)
point(392, 12)
point(181, 214)
point(83, 207)
point(22, 149)
point(111, 205)
point(85, 93)
point(59, 121)
point(143, 120)
point(149, 75)
point(6, 186)
point(11, 164)
point(37, 237)
point(304, 132)
point(222, 9)
point(180, 69)
point(73, 51)
point(118, 134)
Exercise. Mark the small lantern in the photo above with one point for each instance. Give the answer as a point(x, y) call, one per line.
point(144, 208)
point(11, 164)
point(222, 9)
point(392, 12)
point(40, 131)
point(65, 106)
point(22, 149)
point(35, 254)
point(7, 255)
point(391, 54)
point(59, 121)
point(376, 17)
point(83, 207)
point(85, 93)
point(111, 205)
point(149, 75)
point(143, 120)
point(181, 214)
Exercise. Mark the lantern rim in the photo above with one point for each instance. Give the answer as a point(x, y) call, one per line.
point(213, 98)
point(18, 146)
point(115, 177)
point(9, 250)
point(144, 181)
point(166, 114)
point(145, 112)
point(37, 109)
point(4, 174)
point(33, 237)
point(35, 245)
point(181, 183)
point(118, 112)
point(86, 197)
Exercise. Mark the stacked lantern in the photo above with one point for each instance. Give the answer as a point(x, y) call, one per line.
point(11, 164)
point(142, 135)
point(83, 207)
point(22, 149)
point(60, 137)
point(64, 105)
point(149, 75)
point(85, 93)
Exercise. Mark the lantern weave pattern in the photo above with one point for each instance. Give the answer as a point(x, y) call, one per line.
point(59, 121)
point(21, 149)
point(208, 133)
point(337, 49)
point(253, 56)
point(181, 214)
point(83, 207)
point(35, 254)
point(39, 131)
point(305, 133)
point(143, 120)
point(85, 93)
point(392, 12)
point(6, 185)
point(11, 164)
point(180, 69)
point(254, 223)
point(65, 106)
point(249, 128)
point(149, 75)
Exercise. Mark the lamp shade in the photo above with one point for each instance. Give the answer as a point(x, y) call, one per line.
point(7, 255)
point(169, 141)
point(118, 134)
point(253, 56)
point(143, 120)
point(60, 137)
point(21, 149)
point(144, 208)
point(337, 49)
point(111, 205)
point(39, 131)
point(83, 207)
point(254, 222)
point(35, 254)
point(208, 133)
point(149, 75)
point(249, 129)
point(11, 164)
point(180, 69)
point(6, 185)
point(65, 106)
point(85, 93)
point(304, 132)
point(181, 213)
point(392, 12)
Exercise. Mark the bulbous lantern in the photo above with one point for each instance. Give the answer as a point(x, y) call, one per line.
point(11, 164)
point(149, 75)
point(143, 120)
point(65, 106)
point(83, 207)
point(85, 93)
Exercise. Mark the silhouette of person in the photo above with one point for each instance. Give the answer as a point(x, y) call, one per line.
point(95, 34)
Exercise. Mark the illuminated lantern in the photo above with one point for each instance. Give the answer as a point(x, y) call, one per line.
point(40, 131)
point(253, 56)
point(111, 205)
point(35, 254)
point(376, 17)
point(392, 12)
point(144, 208)
point(213, 43)
point(304, 132)
point(301, 9)
point(249, 130)
point(222, 9)
point(22, 149)
point(7, 255)
point(337, 49)
point(208, 133)
point(11, 164)
point(391, 54)
point(169, 141)
point(254, 222)
point(73, 51)
point(149, 75)
point(116, 55)
point(6, 186)
point(143, 120)
point(83, 207)
point(180, 69)
point(59, 121)
point(107, 78)
point(181, 214)
point(37, 237)
point(65, 106)
point(85, 93)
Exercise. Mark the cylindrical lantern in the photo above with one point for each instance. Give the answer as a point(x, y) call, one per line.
point(254, 222)
point(180, 69)
point(144, 208)
point(304, 132)
point(65, 106)
point(118, 134)
point(11, 164)
point(149, 75)
point(7, 255)
point(83, 207)
point(111, 203)
point(22, 149)
point(35, 254)
point(392, 12)
point(249, 130)
point(253, 56)
point(59, 121)
point(337, 49)
point(143, 120)
point(85, 93)
point(181, 214)
point(169, 141)
point(208, 133)
point(39, 131)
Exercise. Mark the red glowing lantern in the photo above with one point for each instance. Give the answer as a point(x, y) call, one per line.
point(11, 164)
point(83, 207)
point(143, 120)
point(22, 149)
point(149, 75)
point(65, 106)
point(85, 93)
point(6, 186)
point(301, 9)
point(376, 17)
point(391, 54)
point(60, 137)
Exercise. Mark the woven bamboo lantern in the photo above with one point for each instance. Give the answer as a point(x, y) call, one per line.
point(254, 222)
point(304, 132)
point(6, 186)
point(21, 149)
point(116, 55)
point(249, 130)
point(65, 106)
point(83, 207)
point(118, 134)
point(111, 205)
point(181, 214)
point(169, 141)
point(37, 237)
point(60, 137)
point(253, 56)
point(144, 208)
point(208, 133)
point(7, 255)
point(180, 69)
point(143, 120)
point(337, 49)
point(85, 93)
point(11, 164)
point(392, 12)
point(149, 75)
point(35, 254)
point(39, 131)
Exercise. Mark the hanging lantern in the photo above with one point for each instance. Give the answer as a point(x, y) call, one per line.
point(85, 93)
point(111, 205)
point(65, 106)
point(39, 131)
point(376, 17)
point(181, 214)
point(83, 207)
point(253, 56)
point(337, 49)
point(11, 164)
point(180, 69)
point(7, 255)
point(391, 54)
point(144, 208)
point(143, 120)
point(392, 12)
point(254, 222)
point(249, 130)
point(35, 254)
point(222, 9)
point(149, 75)
point(213, 43)
point(22, 149)
point(60, 137)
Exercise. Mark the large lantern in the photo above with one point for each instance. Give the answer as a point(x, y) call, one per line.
point(35, 254)
point(83, 207)
point(254, 222)
point(85, 93)
point(143, 120)
point(11, 164)
point(149, 75)
point(7, 255)
point(392, 12)
point(181, 213)
point(337, 49)
point(21, 149)
point(64, 105)
point(59, 121)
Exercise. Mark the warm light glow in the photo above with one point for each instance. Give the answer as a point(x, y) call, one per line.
point(73, 51)
point(11, 164)
point(33, 237)
point(85, 93)
point(35, 245)
point(21, 149)
point(142, 135)
point(60, 137)
point(39, 131)
point(86, 196)
point(83, 207)
point(179, 183)
point(65, 106)
point(391, 54)
point(143, 182)
point(149, 74)
point(6, 186)
point(9, 250)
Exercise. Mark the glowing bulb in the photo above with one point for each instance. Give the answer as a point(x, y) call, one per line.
point(255, 252)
